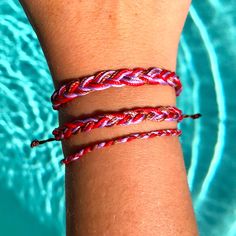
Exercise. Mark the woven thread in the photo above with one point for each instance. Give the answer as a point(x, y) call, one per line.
point(116, 78)
point(122, 139)
point(127, 117)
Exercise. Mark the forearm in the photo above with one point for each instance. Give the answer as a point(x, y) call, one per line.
point(136, 188)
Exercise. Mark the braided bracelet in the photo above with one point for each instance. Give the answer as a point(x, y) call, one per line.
point(122, 139)
point(116, 78)
point(127, 117)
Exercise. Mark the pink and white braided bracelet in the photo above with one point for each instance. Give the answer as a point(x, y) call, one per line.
point(114, 78)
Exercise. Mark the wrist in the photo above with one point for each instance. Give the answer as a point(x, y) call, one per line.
point(108, 36)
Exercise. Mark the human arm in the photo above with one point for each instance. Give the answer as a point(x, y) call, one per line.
point(136, 188)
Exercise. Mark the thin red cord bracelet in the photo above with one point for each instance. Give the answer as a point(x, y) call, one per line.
point(122, 139)
point(116, 78)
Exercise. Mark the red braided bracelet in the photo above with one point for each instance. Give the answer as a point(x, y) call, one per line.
point(116, 78)
point(126, 117)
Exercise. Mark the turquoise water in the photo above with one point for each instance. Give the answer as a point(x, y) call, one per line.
point(32, 187)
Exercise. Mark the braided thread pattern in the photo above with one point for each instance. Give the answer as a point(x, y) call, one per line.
point(123, 139)
point(128, 117)
point(114, 78)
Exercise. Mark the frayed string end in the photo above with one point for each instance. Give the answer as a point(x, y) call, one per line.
point(36, 142)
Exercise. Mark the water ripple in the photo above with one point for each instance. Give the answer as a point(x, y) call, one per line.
point(25, 113)
point(196, 135)
point(220, 97)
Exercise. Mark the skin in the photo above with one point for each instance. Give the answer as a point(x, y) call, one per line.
point(135, 188)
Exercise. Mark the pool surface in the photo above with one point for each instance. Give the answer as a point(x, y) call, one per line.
point(32, 180)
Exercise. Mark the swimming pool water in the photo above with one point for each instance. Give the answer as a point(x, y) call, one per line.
point(32, 187)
